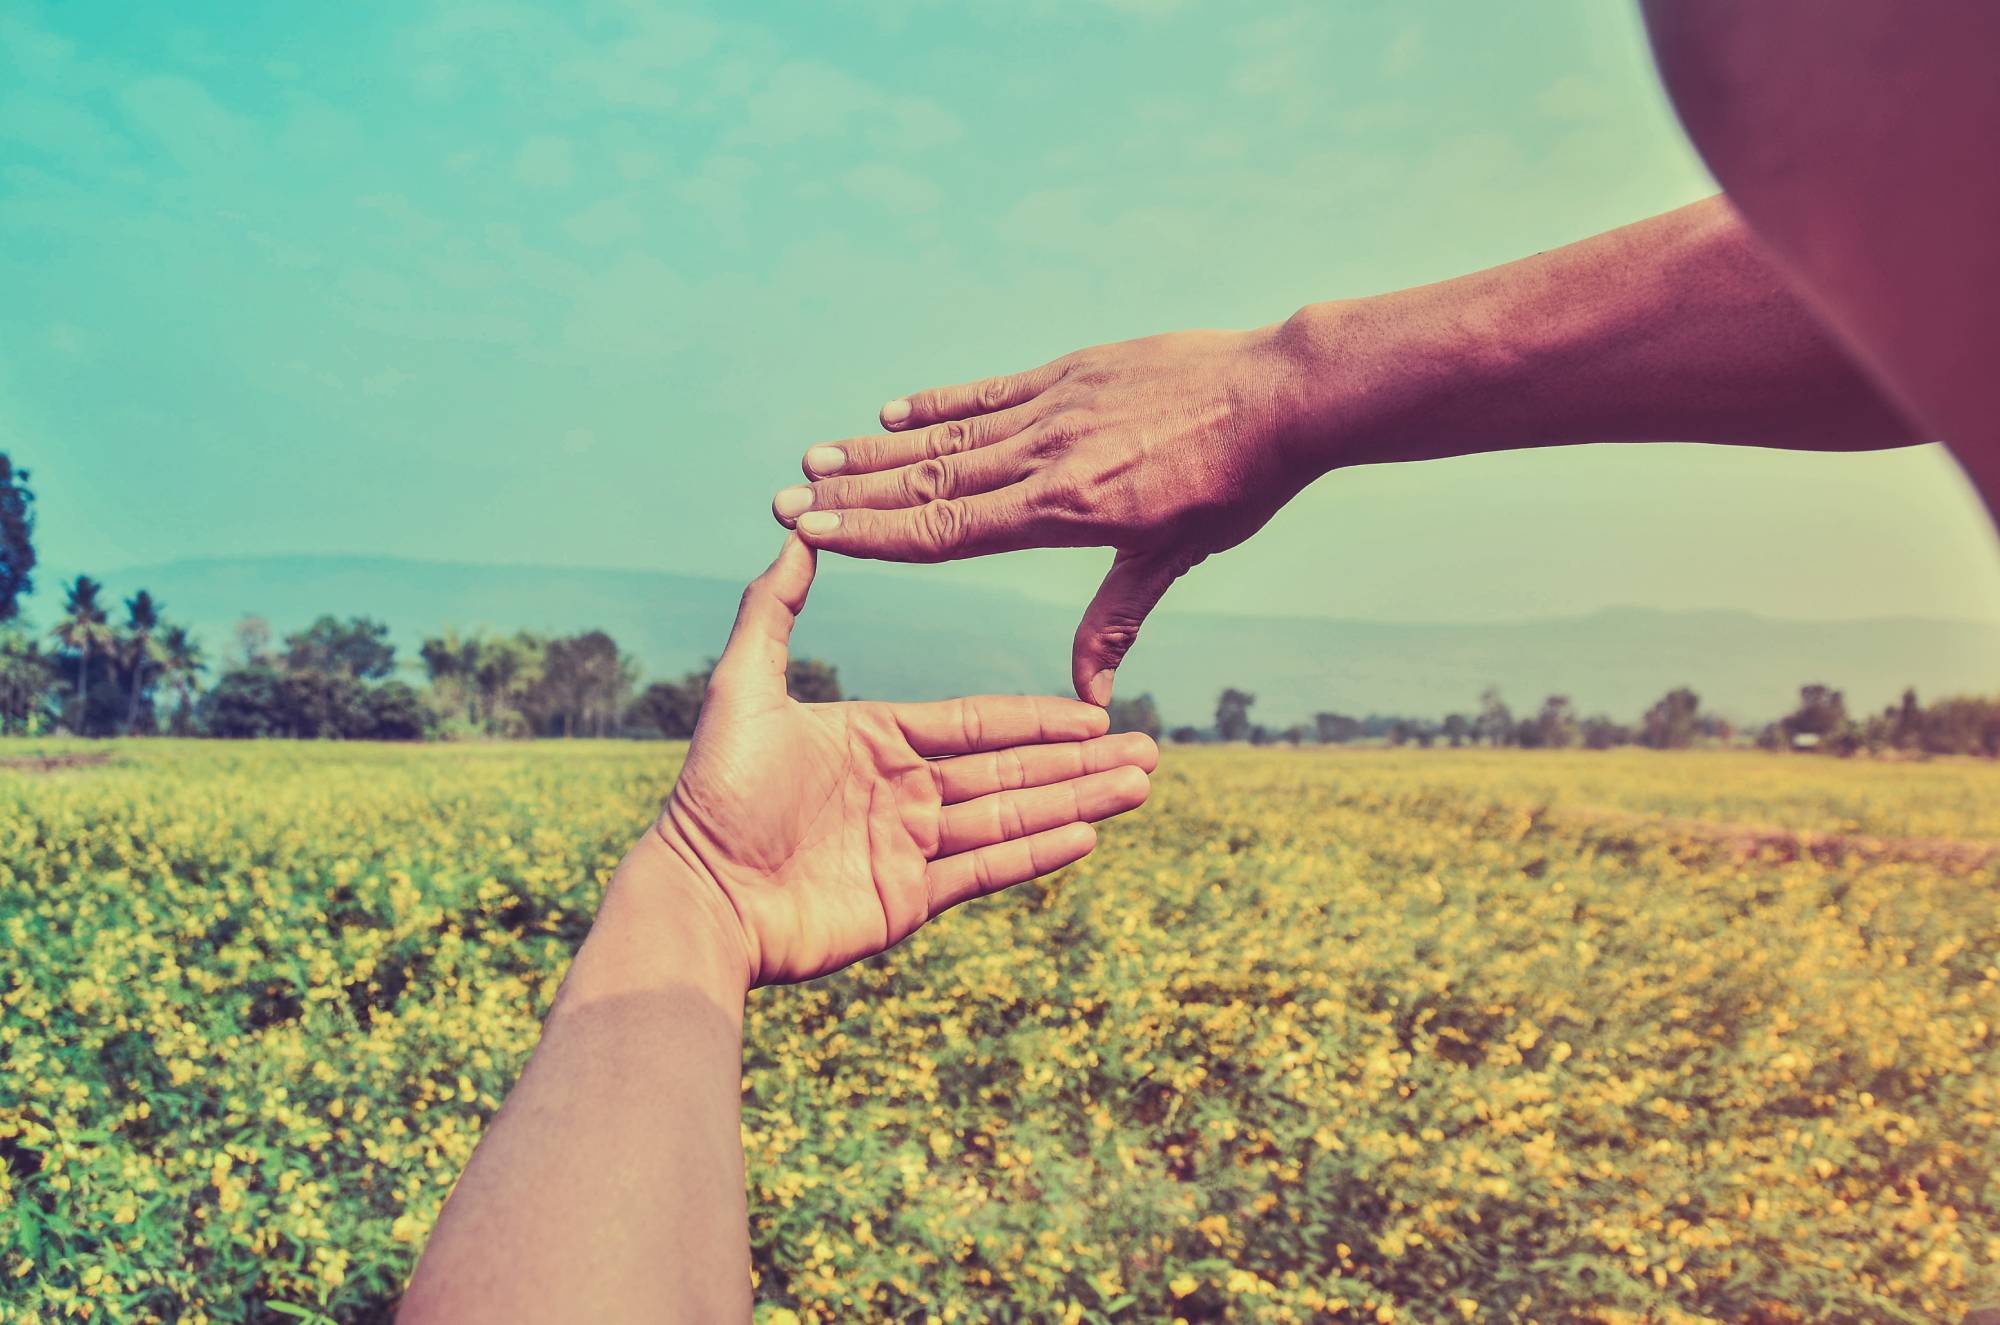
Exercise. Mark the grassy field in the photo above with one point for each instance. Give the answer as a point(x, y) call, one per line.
point(1379, 1036)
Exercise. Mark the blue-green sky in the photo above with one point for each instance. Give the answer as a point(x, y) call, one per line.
point(577, 283)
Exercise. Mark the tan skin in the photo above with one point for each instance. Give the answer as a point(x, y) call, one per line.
point(1842, 296)
point(798, 839)
point(1849, 305)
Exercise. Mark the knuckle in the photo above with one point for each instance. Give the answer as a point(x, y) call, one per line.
point(942, 525)
point(1116, 639)
point(991, 394)
point(1067, 500)
point(1013, 772)
point(1071, 424)
point(945, 439)
point(926, 481)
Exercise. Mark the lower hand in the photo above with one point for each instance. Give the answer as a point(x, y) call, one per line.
point(1166, 449)
point(834, 831)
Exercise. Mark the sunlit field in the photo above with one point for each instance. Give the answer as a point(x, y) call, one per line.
point(1425, 1036)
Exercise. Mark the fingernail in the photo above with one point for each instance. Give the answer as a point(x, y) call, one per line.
point(826, 459)
point(1100, 687)
point(792, 502)
point(896, 411)
point(819, 522)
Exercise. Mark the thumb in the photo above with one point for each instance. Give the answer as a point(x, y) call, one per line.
point(760, 643)
point(1111, 623)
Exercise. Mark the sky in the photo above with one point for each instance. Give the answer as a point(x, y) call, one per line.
point(578, 284)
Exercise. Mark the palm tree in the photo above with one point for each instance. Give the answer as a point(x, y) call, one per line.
point(180, 659)
point(142, 619)
point(83, 628)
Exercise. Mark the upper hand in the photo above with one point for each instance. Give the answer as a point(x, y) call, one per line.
point(1166, 449)
point(836, 830)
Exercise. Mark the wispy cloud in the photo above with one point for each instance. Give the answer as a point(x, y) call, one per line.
point(545, 161)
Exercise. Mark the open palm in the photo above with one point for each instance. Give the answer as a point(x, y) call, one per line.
point(836, 830)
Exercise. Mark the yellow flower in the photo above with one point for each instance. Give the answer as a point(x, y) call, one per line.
point(1182, 1285)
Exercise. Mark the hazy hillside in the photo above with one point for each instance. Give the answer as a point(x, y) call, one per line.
point(894, 635)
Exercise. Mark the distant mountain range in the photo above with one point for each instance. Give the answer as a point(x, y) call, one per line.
point(898, 636)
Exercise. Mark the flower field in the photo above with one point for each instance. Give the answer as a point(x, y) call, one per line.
point(1426, 1036)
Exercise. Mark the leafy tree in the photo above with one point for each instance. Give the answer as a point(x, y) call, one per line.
point(83, 629)
point(1296, 734)
point(1185, 735)
point(1553, 728)
point(582, 688)
point(357, 648)
point(322, 706)
point(1907, 728)
point(1457, 727)
point(448, 665)
point(1673, 721)
point(811, 681)
point(501, 672)
point(28, 682)
point(246, 702)
point(1495, 723)
point(251, 643)
point(180, 661)
point(1600, 732)
point(1232, 715)
point(673, 706)
point(1963, 725)
point(17, 546)
point(1260, 734)
point(395, 712)
point(1336, 728)
point(1139, 714)
point(1821, 715)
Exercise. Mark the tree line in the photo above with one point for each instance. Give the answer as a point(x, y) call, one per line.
point(1965, 725)
point(101, 671)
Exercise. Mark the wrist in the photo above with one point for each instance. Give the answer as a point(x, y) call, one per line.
point(662, 924)
point(1393, 377)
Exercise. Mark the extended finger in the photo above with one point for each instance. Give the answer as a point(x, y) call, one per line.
point(965, 776)
point(996, 722)
point(986, 522)
point(1110, 625)
point(988, 395)
point(913, 485)
point(761, 638)
point(1006, 815)
point(954, 879)
point(866, 455)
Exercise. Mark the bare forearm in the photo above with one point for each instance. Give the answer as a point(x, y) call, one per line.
point(610, 1186)
point(1672, 329)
